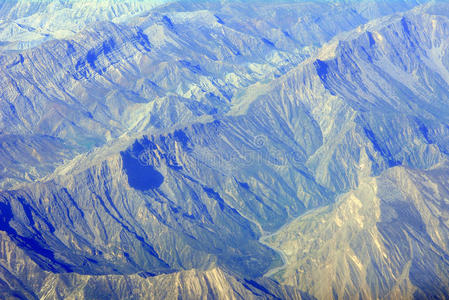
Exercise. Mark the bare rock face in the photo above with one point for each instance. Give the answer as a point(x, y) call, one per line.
point(198, 149)
point(149, 224)
point(386, 239)
point(26, 24)
point(119, 73)
point(22, 278)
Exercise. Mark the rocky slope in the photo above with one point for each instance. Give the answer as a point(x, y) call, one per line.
point(386, 239)
point(25, 24)
point(22, 278)
point(112, 78)
point(369, 109)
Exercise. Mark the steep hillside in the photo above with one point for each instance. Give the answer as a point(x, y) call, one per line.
point(376, 95)
point(22, 278)
point(169, 65)
point(387, 239)
point(25, 24)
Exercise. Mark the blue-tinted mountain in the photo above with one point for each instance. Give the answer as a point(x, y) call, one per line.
point(200, 146)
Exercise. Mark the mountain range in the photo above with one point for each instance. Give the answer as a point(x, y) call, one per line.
point(224, 149)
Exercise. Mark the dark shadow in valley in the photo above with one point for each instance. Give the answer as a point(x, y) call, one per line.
point(140, 177)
